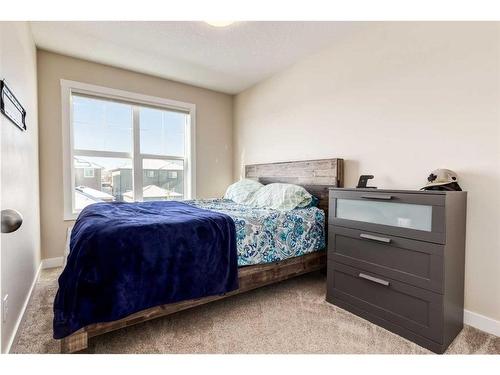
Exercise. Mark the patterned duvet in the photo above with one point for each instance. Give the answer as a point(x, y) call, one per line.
point(267, 235)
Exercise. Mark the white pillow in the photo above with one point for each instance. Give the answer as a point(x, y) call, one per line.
point(280, 197)
point(242, 191)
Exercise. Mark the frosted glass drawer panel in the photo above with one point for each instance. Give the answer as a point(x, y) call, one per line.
point(403, 215)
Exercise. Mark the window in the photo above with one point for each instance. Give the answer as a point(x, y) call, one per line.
point(121, 146)
point(88, 172)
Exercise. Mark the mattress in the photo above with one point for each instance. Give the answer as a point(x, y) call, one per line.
point(267, 235)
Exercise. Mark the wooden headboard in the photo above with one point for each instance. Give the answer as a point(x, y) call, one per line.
point(316, 176)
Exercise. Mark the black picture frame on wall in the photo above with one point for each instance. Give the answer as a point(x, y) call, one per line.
point(11, 107)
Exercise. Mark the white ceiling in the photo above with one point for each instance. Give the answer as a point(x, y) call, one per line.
point(228, 59)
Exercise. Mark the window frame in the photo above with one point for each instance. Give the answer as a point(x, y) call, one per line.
point(68, 88)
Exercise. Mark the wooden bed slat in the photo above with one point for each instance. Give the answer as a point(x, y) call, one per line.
point(75, 342)
point(310, 172)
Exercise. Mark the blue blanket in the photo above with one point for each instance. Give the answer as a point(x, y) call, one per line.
point(127, 257)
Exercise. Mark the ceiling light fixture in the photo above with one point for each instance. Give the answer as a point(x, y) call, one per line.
point(219, 23)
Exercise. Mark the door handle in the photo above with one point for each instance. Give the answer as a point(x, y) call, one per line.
point(375, 238)
point(11, 220)
point(374, 279)
point(377, 196)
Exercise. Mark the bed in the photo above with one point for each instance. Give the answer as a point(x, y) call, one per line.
point(271, 245)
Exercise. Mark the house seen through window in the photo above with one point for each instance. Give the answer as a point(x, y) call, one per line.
point(126, 152)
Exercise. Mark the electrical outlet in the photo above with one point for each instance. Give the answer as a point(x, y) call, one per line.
point(5, 307)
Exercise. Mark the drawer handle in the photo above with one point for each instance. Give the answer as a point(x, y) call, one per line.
point(375, 238)
point(377, 196)
point(374, 279)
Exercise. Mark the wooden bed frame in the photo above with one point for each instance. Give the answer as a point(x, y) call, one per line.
point(316, 176)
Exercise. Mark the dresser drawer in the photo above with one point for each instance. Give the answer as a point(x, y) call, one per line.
point(418, 216)
point(415, 309)
point(414, 262)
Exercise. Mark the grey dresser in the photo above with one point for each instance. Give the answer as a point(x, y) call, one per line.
point(396, 258)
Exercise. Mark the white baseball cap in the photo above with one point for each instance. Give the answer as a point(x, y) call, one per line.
point(441, 177)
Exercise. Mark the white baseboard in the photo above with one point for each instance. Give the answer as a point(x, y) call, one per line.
point(23, 310)
point(52, 262)
point(482, 322)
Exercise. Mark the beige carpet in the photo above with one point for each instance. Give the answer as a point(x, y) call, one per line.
point(289, 317)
